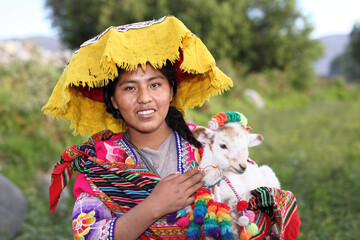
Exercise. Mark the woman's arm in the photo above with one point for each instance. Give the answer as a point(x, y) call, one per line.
point(170, 194)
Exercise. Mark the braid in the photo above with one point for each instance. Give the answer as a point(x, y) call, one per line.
point(176, 122)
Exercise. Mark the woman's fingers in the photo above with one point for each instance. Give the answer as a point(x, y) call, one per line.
point(192, 177)
point(194, 188)
point(189, 174)
point(171, 176)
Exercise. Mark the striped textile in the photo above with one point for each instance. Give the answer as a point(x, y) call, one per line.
point(119, 186)
point(280, 206)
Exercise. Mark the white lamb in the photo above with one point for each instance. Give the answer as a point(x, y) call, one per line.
point(226, 155)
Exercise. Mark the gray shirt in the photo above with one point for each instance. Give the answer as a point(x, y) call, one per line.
point(163, 159)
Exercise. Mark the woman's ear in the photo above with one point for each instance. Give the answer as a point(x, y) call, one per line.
point(114, 102)
point(171, 94)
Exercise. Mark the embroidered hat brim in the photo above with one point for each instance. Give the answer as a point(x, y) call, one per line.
point(78, 93)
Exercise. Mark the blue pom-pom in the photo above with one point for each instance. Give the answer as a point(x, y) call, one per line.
point(181, 213)
point(193, 231)
point(171, 219)
point(226, 232)
point(227, 236)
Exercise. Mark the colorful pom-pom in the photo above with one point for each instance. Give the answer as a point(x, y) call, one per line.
point(193, 231)
point(252, 228)
point(214, 233)
point(243, 221)
point(181, 213)
point(245, 235)
point(143, 237)
point(202, 191)
point(183, 222)
point(233, 116)
point(242, 205)
point(220, 118)
point(171, 219)
point(210, 226)
point(224, 219)
point(199, 219)
point(251, 215)
point(213, 125)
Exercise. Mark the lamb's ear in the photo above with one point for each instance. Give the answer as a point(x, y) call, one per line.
point(255, 139)
point(204, 135)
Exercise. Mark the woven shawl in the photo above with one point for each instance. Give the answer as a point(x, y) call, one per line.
point(122, 186)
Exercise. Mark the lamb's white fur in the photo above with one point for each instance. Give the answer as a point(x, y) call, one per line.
point(226, 154)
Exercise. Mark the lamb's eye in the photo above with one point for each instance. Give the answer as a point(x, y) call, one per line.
point(223, 146)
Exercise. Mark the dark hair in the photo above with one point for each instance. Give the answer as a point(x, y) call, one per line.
point(174, 117)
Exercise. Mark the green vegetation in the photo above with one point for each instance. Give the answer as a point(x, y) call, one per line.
point(311, 141)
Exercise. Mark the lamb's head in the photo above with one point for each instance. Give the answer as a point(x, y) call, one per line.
point(228, 145)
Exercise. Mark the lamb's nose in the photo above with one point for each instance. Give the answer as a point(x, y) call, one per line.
point(242, 166)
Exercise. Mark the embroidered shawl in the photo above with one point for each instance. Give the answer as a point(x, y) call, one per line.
point(121, 186)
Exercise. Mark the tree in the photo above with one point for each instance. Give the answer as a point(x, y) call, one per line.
point(348, 63)
point(262, 34)
point(353, 66)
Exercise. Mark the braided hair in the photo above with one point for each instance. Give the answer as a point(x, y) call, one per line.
point(174, 118)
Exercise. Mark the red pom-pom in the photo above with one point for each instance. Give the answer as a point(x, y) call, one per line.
point(242, 205)
point(202, 191)
point(143, 237)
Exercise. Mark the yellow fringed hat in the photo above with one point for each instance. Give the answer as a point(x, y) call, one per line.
point(78, 95)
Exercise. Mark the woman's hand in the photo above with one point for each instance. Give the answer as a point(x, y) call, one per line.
point(175, 192)
point(170, 194)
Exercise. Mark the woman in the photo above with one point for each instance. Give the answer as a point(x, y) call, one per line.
point(140, 95)
point(136, 81)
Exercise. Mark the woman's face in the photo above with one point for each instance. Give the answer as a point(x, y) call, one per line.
point(143, 99)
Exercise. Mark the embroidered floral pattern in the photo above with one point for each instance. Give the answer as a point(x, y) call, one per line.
point(82, 223)
point(91, 218)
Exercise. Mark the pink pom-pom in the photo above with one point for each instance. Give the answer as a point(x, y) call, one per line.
point(243, 221)
point(251, 215)
point(183, 222)
point(242, 205)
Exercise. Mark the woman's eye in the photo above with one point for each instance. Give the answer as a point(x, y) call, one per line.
point(223, 146)
point(155, 85)
point(129, 88)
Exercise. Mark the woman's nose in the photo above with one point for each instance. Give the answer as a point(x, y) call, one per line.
point(144, 96)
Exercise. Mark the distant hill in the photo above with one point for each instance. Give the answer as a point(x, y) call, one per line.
point(43, 49)
point(334, 46)
point(47, 43)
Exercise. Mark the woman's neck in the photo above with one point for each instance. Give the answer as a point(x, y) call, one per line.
point(150, 140)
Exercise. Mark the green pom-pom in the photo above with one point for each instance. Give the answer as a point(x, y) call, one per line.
point(253, 229)
point(237, 117)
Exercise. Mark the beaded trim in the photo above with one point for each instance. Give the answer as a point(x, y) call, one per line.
point(128, 150)
point(179, 148)
point(112, 228)
point(232, 187)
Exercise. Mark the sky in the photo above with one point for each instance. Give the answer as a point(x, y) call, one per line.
point(27, 18)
